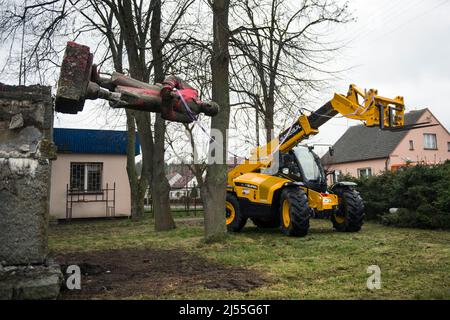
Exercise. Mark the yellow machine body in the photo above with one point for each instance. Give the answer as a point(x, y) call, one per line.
point(258, 192)
point(260, 188)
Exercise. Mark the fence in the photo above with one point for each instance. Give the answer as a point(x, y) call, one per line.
point(185, 201)
point(107, 196)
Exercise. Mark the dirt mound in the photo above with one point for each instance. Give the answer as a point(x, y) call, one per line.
point(151, 272)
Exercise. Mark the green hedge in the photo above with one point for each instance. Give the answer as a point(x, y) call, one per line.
point(422, 193)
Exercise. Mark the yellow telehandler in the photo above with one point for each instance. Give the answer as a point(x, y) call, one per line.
point(283, 184)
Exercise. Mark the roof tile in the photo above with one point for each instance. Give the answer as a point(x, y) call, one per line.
point(92, 141)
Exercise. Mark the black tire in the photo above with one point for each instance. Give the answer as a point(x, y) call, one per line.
point(239, 220)
point(267, 223)
point(350, 214)
point(299, 213)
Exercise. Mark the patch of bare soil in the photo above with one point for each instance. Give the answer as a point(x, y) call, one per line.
point(151, 272)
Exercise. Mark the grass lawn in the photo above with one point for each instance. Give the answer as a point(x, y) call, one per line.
point(415, 264)
point(182, 213)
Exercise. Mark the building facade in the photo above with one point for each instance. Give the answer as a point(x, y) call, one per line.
point(363, 151)
point(89, 177)
point(183, 188)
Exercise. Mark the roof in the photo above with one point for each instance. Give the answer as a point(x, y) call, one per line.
point(92, 141)
point(361, 143)
point(171, 175)
point(183, 181)
point(173, 178)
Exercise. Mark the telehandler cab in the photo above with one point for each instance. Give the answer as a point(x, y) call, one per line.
point(283, 184)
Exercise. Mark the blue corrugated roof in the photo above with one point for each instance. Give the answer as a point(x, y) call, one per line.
point(92, 141)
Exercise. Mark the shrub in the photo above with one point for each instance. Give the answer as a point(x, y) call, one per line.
point(422, 193)
point(425, 217)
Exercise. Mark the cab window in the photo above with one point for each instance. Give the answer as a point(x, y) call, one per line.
point(308, 163)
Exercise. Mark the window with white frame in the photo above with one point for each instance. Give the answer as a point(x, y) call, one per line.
point(364, 172)
point(86, 177)
point(430, 141)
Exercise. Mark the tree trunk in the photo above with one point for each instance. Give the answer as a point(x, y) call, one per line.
point(268, 119)
point(213, 195)
point(152, 147)
point(160, 184)
point(138, 186)
point(138, 71)
point(214, 191)
point(257, 126)
point(143, 124)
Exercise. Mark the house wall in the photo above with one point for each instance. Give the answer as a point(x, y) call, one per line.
point(351, 168)
point(177, 194)
point(192, 183)
point(114, 170)
point(402, 153)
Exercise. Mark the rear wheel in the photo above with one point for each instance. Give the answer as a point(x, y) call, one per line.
point(234, 219)
point(350, 214)
point(294, 212)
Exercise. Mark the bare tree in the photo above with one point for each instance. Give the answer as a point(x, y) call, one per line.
point(278, 56)
point(108, 26)
point(280, 52)
point(160, 185)
point(184, 146)
point(122, 29)
point(140, 24)
point(213, 191)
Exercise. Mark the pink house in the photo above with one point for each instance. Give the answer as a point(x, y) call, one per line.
point(89, 177)
point(363, 151)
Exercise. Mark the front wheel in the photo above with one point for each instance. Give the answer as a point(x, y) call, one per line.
point(234, 217)
point(350, 214)
point(294, 213)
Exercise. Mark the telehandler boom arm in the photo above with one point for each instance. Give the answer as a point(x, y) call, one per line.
point(374, 110)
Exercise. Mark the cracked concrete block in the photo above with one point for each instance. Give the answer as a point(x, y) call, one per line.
point(16, 122)
point(24, 173)
point(30, 282)
point(26, 151)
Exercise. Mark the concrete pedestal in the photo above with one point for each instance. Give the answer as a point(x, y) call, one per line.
point(26, 149)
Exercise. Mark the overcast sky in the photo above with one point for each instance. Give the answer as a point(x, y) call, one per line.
point(399, 47)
